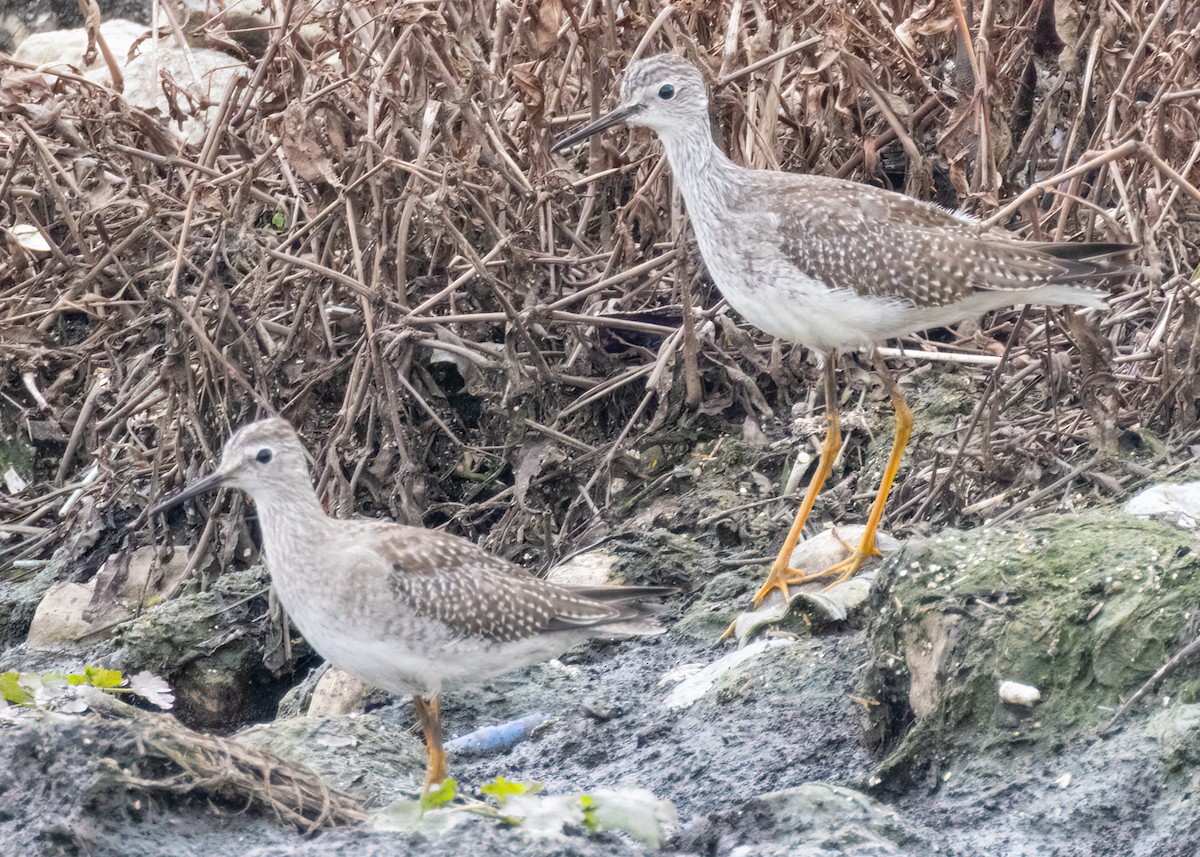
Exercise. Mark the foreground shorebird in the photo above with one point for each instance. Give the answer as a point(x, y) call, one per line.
point(836, 265)
point(406, 609)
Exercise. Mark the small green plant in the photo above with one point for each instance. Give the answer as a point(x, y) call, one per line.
point(11, 690)
point(68, 691)
point(632, 810)
point(97, 677)
point(589, 812)
point(502, 789)
point(440, 796)
point(278, 221)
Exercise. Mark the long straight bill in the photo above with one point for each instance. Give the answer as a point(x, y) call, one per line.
point(616, 117)
point(211, 482)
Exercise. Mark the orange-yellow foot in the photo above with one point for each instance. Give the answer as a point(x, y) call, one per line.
point(781, 578)
point(778, 580)
point(841, 571)
point(847, 568)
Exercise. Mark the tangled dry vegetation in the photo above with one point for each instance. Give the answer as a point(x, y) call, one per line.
point(374, 241)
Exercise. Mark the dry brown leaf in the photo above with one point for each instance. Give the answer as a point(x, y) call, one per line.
point(927, 20)
point(545, 20)
point(530, 87)
point(301, 143)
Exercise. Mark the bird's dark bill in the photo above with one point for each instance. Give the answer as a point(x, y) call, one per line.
point(211, 482)
point(616, 117)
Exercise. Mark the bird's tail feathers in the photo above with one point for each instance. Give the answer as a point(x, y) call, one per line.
point(618, 594)
point(1090, 262)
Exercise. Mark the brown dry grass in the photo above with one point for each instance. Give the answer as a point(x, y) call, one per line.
point(155, 756)
point(473, 332)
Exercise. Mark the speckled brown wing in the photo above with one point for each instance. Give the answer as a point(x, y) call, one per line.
point(912, 250)
point(481, 595)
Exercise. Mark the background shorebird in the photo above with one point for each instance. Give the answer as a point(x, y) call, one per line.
point(404, 608)
point(835, 265)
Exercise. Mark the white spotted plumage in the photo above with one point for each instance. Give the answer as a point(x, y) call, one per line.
point(834, 264)
point(407, 609)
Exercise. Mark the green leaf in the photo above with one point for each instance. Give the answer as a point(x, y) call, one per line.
point(76, 678)
point(279, 220)
point(440, 796)
point(100, 677)
point(589, 812)
point(501, 789)
point(12, 691)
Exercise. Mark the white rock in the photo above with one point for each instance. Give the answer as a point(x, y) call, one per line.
point(1178, 501)
point(337, 693)
point(63, 50)
point(59, 617)
point(592, 568)
point(829, 547)
point(66, 613)
point(1015, 693)
point(205, 75)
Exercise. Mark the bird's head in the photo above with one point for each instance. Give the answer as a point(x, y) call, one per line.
point(664, 93)
point(261, 458)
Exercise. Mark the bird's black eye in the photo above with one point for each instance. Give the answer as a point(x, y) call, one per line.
point(666, 92)
point(264, 455)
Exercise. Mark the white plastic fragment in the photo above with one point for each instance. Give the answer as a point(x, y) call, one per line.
point(834, 603)
point(1015, 693)
point(696, 686)
point(13, 481)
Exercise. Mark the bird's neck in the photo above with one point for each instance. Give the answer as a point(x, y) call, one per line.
point(293, 525)
point(701, 169)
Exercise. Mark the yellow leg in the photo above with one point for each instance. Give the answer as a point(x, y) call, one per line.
point(430, 715)
point(781, 576)
point(847, 568)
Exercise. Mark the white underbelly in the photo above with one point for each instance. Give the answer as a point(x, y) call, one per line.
point(780, 300)
point(807, 313)
point(413, 655)
point(407, 666)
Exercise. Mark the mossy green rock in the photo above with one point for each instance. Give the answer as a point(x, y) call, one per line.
point(209, 646)
point(1085, 607)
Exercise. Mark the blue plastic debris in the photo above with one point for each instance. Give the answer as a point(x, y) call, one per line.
point(497, 738)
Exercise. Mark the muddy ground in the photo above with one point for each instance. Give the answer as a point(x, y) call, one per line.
point(880, 735)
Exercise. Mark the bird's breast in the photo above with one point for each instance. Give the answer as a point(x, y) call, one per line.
point(775, 296)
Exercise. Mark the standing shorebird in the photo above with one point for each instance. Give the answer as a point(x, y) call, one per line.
point(836, 265)
point(406, 609)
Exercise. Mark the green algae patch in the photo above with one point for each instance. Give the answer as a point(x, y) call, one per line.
point(1084, 607)
point(210, 647)
point(174, 632)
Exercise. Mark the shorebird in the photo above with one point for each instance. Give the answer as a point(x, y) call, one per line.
point(835, 265)
point(407, 609)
